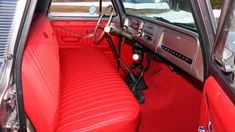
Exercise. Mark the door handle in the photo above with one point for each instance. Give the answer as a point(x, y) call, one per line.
point(201, 129)
point(210, 128)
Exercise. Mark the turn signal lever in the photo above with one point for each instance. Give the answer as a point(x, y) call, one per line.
point(114, 29)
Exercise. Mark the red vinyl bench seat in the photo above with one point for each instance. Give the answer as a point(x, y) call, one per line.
point(74, 89)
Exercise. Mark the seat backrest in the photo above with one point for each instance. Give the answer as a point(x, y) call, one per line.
point(41, 75)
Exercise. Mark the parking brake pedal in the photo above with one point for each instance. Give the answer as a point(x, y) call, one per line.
point(141, 85)
point(136, 86)
point(135, 89)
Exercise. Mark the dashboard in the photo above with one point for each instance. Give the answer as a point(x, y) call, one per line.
point(175, 44)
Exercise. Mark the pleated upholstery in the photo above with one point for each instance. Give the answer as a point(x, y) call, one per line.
point(41, 75)
point(75, 89)
point(93, 96)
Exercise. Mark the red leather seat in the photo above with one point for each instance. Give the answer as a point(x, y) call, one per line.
point(74, 90)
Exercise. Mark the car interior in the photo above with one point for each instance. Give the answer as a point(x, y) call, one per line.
point(114, 72)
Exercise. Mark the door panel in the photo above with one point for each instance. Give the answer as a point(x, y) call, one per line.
point(218, 96)
point(217, 107)
point(75, 33)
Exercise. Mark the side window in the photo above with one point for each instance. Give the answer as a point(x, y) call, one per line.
point(87, 8)
point(216, 8)
point(176, 12)
point(225, 48)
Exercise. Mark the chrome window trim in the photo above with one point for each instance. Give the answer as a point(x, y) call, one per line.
point(211, 14)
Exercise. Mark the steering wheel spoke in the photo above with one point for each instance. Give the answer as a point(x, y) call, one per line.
point(97, 39)
point(101, 26)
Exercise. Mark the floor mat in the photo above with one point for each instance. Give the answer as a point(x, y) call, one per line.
point(172, 103)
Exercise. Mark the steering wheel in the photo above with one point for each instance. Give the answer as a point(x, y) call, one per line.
point(98, 39)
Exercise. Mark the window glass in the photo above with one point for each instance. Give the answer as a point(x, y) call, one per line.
point(228, 33)
point(88, 8)
point(216, 7)
point(225, 48)
point(230, 41)
point(177, 12)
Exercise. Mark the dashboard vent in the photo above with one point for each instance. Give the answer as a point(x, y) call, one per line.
point(7, 13)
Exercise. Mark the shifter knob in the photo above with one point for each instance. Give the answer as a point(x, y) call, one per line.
point(135, 57)
point(107, 29)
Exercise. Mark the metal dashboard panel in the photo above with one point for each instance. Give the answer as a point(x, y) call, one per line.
point(182, 50)
point(177, 45)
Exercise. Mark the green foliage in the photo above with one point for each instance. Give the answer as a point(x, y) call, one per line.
point(216, 4)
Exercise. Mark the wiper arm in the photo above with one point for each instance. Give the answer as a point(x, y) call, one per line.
point(185, 25)
point(162, 19)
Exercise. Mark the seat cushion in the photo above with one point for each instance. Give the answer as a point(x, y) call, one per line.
point(93, 96)
point(73, 90)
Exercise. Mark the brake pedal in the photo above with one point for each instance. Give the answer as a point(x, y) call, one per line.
point(142, 85)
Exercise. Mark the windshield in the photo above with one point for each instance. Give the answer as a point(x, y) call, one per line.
point(176, 12)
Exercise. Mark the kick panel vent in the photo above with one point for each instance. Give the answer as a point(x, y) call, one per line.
point(7, 13)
